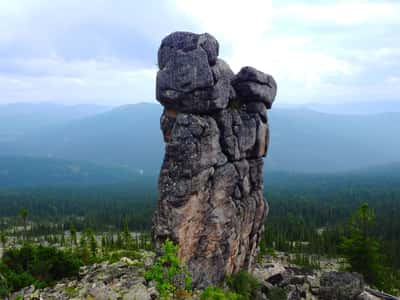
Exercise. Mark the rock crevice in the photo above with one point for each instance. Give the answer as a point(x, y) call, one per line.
point(216, 133)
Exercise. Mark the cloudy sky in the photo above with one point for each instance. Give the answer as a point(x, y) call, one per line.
point(104, 52)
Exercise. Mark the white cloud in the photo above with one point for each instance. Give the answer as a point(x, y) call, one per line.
point(393, 80)
point(341, 12)
point(73, 82)
point(71, 51)
point(247, 29)
point(229, 19)
point(105, 51)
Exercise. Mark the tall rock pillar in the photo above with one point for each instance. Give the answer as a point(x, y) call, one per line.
point(216, 134)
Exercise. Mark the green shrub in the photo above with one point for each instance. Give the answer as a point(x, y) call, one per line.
point(213, 293)
point(168, 273)
point(4, 289)
point(37, 265)
point(277, 293)
point(361, 249)
point(243, 284)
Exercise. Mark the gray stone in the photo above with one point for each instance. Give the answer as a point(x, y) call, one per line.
point(255, 107)
point(264, 273)
point(243, 134)
point(104, 293)
point(252, 85)
point(185, 42)
point(340, 286)
point(186, 72)
point(254, 75)
point(367, 296)
point(210, 45)
point(137, 292)
point(293, 293)
point(191, 78)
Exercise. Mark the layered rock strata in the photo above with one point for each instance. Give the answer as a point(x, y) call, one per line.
point(216, 134)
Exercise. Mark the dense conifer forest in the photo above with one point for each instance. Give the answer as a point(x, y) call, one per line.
point(309, 214)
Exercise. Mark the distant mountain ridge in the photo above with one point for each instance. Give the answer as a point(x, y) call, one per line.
point(17, 172)
point(30, 171)
point(19, 119)
point(129, 136)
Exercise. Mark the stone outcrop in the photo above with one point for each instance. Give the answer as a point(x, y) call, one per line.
point(292, 282)
point(216, 134)
point(121, 280)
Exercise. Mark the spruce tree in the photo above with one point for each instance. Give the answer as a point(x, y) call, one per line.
point(3, 239)
point(92, 243)
point(127, 238)
point(360, 248)
point(72, 232)
point(23, 213)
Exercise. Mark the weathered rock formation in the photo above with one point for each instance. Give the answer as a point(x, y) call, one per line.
point(216, 134)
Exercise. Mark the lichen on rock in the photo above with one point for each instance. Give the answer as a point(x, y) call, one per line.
point(216, 134)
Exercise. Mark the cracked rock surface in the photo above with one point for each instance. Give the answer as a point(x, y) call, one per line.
point(216, 134)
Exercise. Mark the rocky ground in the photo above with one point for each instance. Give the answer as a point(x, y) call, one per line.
point(120, 280)
point(279, 280)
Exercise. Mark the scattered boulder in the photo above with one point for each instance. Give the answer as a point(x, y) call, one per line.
point(293, 292)
point(340, 286)
point(265, 272)
point(367, 296)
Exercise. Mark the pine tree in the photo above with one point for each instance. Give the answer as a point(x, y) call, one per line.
point(360, 248)
point(92, 243)
point(3, 239)
point(72, 232)
point(62, 241)
point(127, 238)
point(119, 242)
point(23, 213)
point(104, 245)
point(83, 249)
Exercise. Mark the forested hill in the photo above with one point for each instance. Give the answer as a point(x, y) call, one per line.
point(300, 205)
point(301, 140)
point(382, 176)
point(19, 119)
point(21, 171)
point(30, 171)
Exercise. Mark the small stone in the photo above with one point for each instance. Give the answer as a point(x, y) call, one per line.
point(153, 293)
point(127, 260)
